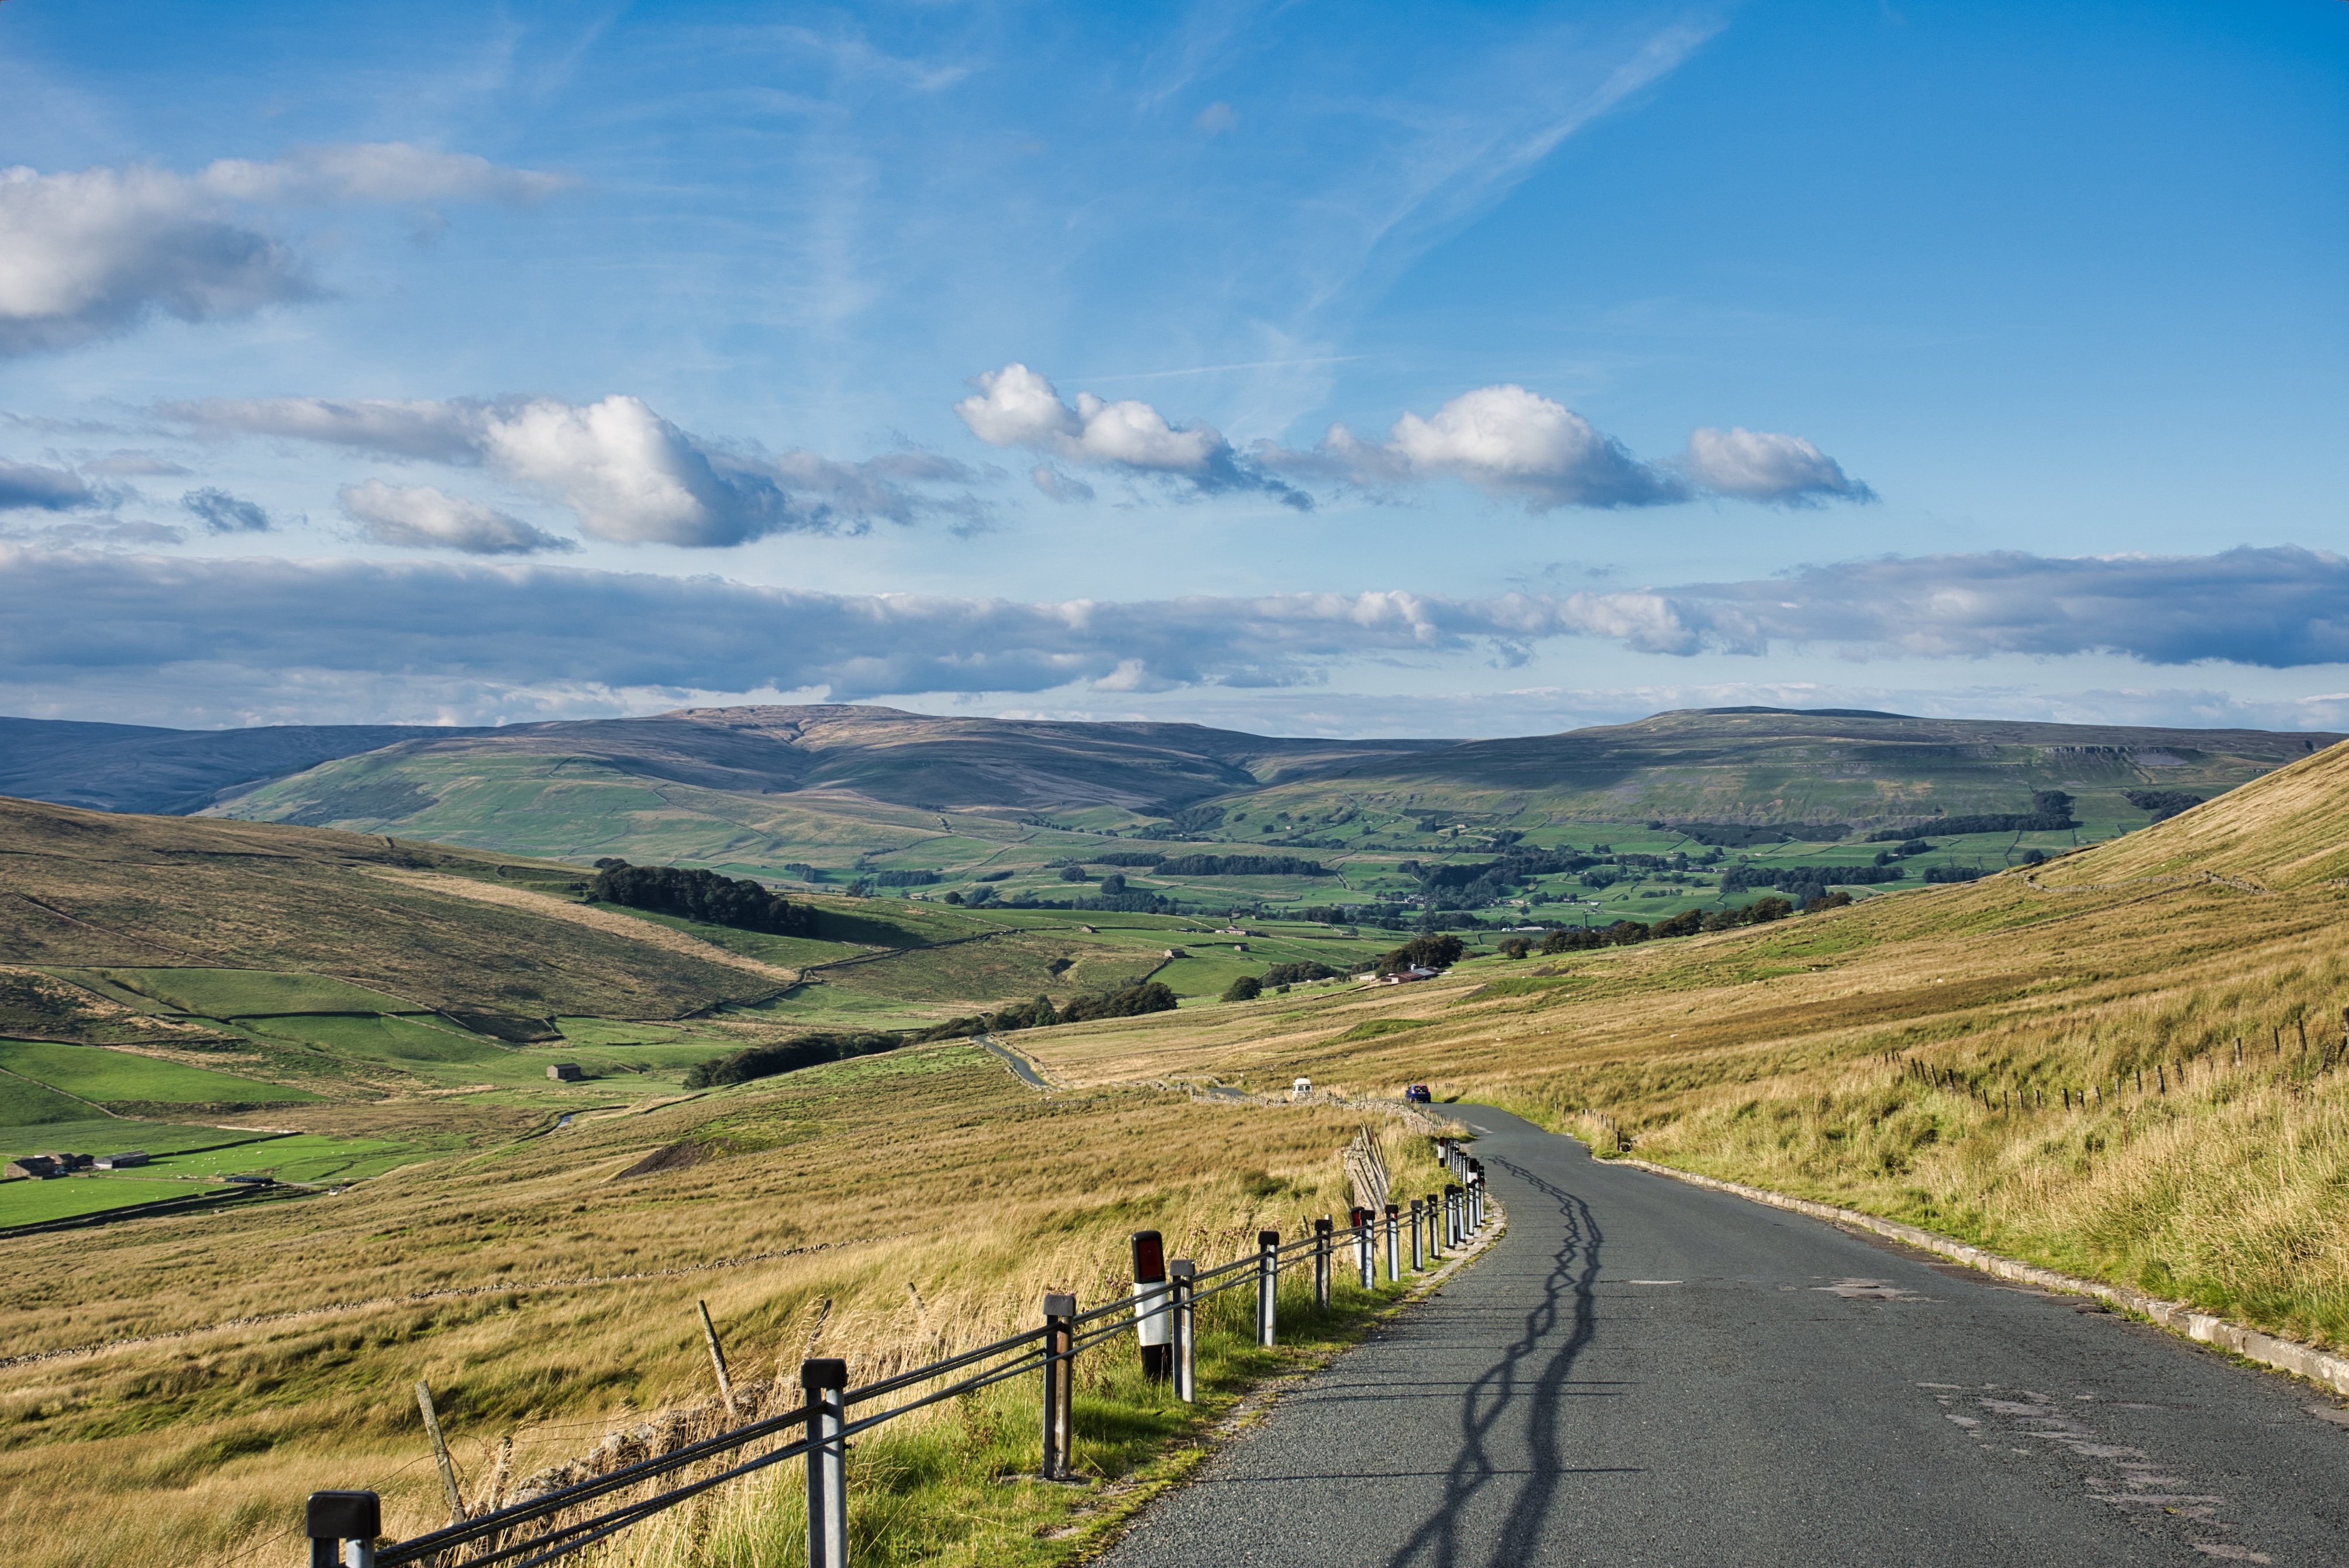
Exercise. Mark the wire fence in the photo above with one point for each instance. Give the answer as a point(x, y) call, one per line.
point(345, 1527)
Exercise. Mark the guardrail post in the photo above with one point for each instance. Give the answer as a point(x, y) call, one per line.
point(342, 1527)
point(1394, 1263)
point(1451, 1215)
point(1321, 1250)
point(1151, 1327)
point(1417, 1263)
point(1435, 1227)
point(1267, 1287)
point(1184, 1273)
point(824, 1380)
point(1059, 1385)
point(1365, 1264)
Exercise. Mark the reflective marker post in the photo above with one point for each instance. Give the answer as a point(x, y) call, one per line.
point(1151, 1326)
point(824, 1380)
point(1451, 1215)
point(1394, 1263)
point(342, 1527)
point(1417, 1265)
point(1362, 1246)
point(1267, 1287)
point(1184, 1273)
point(1321, 1249)
point(1060, 1385)
point(1435, 1227)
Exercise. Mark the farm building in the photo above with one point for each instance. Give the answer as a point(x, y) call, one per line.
point(122, 1161)
point(565, 1072)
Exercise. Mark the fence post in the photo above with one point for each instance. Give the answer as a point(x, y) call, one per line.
point(1394, 1263)
point(824, 1380)
point(1434, 1228)
point(1267, 1287)
point(1184, 1273)
point(1321, 1264)
point(1363, 1258)
point(1416, 1264)
point(342, 1527)
point(1151, 1327)
point(1058, 1380)
point(1451, 1237)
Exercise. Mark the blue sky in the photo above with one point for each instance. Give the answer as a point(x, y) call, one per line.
point(1454, 369)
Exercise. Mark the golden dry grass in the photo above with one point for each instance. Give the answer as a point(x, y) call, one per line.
point(1778, 1055)
point(926, 1195)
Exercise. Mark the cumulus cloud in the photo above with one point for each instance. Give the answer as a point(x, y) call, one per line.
point(1015, 406)
point(28, 486)
point(1519, 446)
point(418, 517)
point(222, 512)
point(1758, 465)
point(628, 474)
point(89, 253)
point(1511, 443)
point(74, 621)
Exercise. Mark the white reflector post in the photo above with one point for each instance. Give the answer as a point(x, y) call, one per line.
point(1153, 1322)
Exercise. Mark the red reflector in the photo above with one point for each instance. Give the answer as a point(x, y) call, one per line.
point(1149, 1258)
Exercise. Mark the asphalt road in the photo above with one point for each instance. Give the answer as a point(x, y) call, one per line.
point(1644, 1372)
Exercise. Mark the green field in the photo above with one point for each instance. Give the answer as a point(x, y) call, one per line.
point(110, 1077)
point(26, 1104)
point(247, 992)
point(403, 1042)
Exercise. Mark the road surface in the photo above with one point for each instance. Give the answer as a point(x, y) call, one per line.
point(1643, 1372)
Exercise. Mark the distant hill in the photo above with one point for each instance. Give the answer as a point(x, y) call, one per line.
point(1763, 765)
point(864, 790)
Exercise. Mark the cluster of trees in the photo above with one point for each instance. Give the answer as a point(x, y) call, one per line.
point(1433, 951)
point(1806, 881)
point(1688, 922)
point(2050, 812)
point(1954, 874)
point(1192, 822)
point(1298, 973)
point(785, 1055)
point(1739, 836)
point(1125, 1002)
point(901, 878)
point(700, 896)
point(2163, 803)
point(1240, 866)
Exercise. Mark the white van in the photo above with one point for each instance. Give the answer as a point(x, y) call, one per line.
point(1301, 1090)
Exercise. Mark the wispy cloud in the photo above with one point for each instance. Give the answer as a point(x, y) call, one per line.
point(418, 517)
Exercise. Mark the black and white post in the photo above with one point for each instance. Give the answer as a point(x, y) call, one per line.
point(1267, 1287)
point(1394, 1263)
point(1151, 1325)
point(1060, 1385)
point(1452, 1215)
point(342, 1527)
point(1435, 1227)
point(1366, 1266)
point(1321, 1249)
point(1183, 1275)
point(824, 1380)
point(1418, 1259)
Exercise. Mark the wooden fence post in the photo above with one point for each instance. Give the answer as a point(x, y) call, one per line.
point(441, 1452)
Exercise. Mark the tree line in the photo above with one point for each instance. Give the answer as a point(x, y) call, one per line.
point(2050, 812)
point(700, 896)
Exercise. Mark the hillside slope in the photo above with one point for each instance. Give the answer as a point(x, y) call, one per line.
point(95, 889)
point(1772, 765)
point(174, 772)
point(2289, 830)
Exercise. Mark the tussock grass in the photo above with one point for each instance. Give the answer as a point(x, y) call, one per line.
point(549, 1302)
point(1785, 1057)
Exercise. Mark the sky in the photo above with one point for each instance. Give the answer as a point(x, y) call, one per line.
point(1293, 367)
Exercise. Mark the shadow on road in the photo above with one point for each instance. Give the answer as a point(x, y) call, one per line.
point(1574, 1270)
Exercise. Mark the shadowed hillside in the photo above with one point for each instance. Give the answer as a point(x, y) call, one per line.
point(2289, 830)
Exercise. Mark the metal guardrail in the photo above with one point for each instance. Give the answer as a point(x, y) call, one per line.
point(344, 1527)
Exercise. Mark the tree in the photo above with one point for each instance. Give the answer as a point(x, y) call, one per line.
point(1515, 947)
point(1247, 988)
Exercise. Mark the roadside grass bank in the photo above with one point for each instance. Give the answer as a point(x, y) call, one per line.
point(889, 1209)
point(1924, 1059)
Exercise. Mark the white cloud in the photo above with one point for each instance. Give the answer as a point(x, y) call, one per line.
point(90, 254)
point(28, 486)
point(628, 474)
point(418, 517)
point(1514, 443)
point(231, 633)
point(1015, 406)
point(1758, 465)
